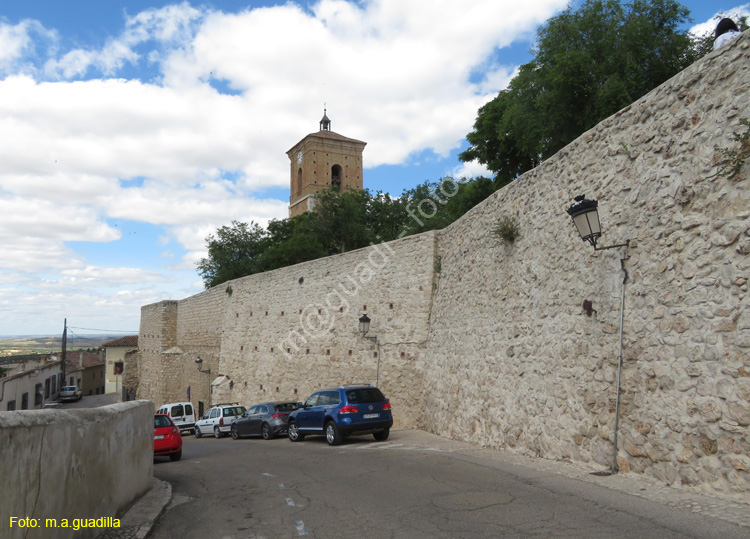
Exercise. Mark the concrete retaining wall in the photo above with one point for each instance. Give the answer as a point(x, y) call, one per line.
point(73, 464)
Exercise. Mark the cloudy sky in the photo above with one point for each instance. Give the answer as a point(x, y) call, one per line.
point(132, 130)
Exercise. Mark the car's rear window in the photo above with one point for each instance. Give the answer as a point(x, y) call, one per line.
point(161, 421)
point(68, 388)
point(286, 407)
point(236, 410)
point(364, 395)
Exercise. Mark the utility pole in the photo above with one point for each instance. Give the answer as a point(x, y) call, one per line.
point(64, 349)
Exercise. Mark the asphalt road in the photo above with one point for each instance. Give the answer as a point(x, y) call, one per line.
point(407, 487)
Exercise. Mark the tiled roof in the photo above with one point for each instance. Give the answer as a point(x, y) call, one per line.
point(90, 359)
point(331, 136)
point(131, 341)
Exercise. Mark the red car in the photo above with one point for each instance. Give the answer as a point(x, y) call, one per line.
point(167, 438)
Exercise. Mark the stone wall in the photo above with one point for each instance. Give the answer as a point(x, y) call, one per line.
point(491, 343)
point(518, 363)
point(73, 464)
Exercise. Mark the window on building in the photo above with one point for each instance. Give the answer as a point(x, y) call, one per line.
point(11, 405)
point(54, 385)
point(47, 384)
point(336, 176)
point(25, 401)
point(38, 395)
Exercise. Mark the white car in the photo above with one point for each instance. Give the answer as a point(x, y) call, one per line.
point(218, 420)
point(181, 413)
point(70, 393)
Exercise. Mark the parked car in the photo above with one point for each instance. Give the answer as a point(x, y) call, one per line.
point(218, 420)
point(70, 393)
point(340, 412)
point(268, 420)
point(181, 413)
point(167, 438)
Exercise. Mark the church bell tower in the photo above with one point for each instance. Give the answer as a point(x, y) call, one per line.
point(322, 160)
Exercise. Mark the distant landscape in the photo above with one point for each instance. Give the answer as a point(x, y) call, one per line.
point(12, 346)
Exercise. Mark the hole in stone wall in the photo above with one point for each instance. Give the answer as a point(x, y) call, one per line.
point(301, 280)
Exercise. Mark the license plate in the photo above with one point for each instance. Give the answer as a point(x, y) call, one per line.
point(159, 437)
point(371, 416)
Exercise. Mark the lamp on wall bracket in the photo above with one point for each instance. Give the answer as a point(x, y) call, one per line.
point(585, 215)
point(364, 328)
point(199, 364)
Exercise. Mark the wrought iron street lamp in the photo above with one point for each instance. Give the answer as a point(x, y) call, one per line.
point(585, 215)
point(364, 328)
point(199, 364)
point(364, 324)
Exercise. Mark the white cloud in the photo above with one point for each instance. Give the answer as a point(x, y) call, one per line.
point(99, 276)
point(471, 169)
point(708, 27)
point(174, 149)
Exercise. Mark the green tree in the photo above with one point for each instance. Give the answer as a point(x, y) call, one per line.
point(291, 241)
point(588, 64)
point(234, 252)
point(340, 219)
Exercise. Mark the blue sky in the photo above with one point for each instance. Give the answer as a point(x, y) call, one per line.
point(132, 130)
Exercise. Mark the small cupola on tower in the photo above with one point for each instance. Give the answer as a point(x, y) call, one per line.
point(325, 123)
point(322, 160)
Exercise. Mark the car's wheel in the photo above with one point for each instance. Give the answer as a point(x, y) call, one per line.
point(382, 435)
point(266, 432)
point(198, 432)
point(176, 456)
point(333, 437)
point(293, 432)
point(235, 434)
point(217, 432)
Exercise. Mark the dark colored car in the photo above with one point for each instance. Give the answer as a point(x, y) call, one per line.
point(335, 413)
point(167, 438)
point(268, 420)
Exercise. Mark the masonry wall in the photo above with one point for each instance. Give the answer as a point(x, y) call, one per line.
point(292, 331)
point(73, 464)
point(517, 362)
point(492, 344)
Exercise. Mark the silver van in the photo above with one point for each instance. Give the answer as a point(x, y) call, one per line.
point(181, 413)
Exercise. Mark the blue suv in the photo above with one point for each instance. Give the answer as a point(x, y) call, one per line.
point(336, 413)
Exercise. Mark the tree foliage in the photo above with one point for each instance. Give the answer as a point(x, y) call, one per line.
point(588, 64)
point(342, 221)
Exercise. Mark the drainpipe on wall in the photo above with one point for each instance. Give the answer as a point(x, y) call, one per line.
point(623, 258)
